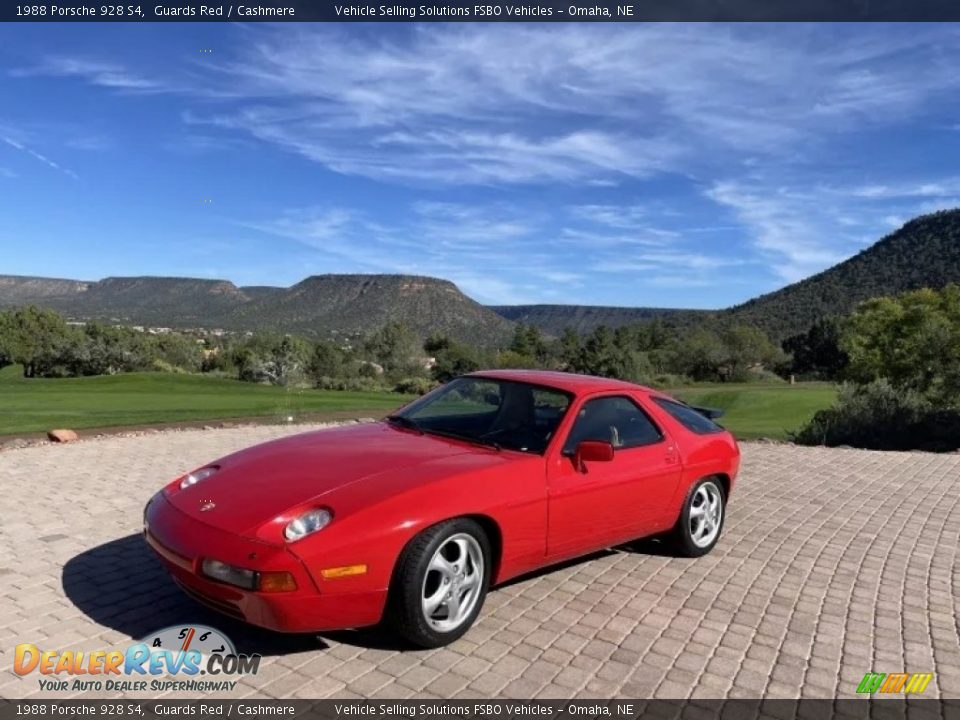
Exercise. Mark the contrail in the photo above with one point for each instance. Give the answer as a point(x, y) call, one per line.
point(42, 158)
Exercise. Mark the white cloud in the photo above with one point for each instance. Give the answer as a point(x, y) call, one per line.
point(804, 228)
point(102, 74)
point(693, 264)
point(786, 226)
point(459, 226)
point(630, 217)
point(572, 103)
point(935, 189)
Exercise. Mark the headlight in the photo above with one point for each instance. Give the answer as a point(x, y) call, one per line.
point(309, 522)
point(196, 476)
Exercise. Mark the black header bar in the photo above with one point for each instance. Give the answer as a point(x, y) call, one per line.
point(468, 11)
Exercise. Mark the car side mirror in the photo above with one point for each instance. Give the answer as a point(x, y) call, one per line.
point(592, 451)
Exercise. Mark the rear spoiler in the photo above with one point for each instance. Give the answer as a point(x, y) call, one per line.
point(710, 413)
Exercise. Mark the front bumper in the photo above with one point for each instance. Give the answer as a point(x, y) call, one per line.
point(182, 543)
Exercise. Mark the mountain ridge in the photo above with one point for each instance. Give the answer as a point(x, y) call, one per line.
point(924, 252)
point(333, 305)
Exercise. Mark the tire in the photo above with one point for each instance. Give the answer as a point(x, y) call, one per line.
point(420, 578)
point(689, 538)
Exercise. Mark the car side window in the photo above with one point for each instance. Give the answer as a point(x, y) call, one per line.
point(688, 417)
point(617, 420)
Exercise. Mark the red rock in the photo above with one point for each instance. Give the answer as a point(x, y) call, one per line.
point(62, 436)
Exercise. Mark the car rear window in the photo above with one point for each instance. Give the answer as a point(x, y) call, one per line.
point(688, 417)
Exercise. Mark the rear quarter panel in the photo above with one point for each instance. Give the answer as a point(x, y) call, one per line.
point(700, 455)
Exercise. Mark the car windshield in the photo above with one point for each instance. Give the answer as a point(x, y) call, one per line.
point(500, 413)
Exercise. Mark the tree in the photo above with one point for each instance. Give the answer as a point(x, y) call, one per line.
point(176, 350)
point(653, 335)
point(513, 359)
point(437, 342)
point(701, 354)
point(600, 355)
point(912, 340)
point(817, 352)
point(274, 359)
point(37, 339)
point(745, 347)
point(571, 346)
point(455, 360)
point(106, 350)
point(393, 347)
point(326, 361)
point(6, 339)
point(528, 342)
point(726, 354)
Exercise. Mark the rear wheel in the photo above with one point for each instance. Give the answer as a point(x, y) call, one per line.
point(440, 583)
point(701, 519)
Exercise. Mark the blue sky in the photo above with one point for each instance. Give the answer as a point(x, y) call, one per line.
point(657, 165)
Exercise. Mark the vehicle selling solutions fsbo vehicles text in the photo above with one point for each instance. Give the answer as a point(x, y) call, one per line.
point(442, 11)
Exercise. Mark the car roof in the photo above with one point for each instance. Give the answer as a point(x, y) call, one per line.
point(570, 382)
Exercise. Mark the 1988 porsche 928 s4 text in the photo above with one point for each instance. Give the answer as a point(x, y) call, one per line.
point(412, 519)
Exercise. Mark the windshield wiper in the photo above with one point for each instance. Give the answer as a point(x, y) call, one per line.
point(406, 422)
point(466, 438)
point(412, 424)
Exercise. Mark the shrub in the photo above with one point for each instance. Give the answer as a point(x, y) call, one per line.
point(159, 365)
point(354, 384)
point(414, 386)
point(761, 375)
point(877, 416)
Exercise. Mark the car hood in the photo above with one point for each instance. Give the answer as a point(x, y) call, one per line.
point(260, 483)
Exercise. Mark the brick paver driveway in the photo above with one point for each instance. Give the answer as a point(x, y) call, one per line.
point(833, 563)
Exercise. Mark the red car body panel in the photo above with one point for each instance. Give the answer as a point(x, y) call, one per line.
point(384, 484)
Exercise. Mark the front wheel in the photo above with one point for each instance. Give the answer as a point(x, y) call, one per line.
point(701, 519)
point(440, 583)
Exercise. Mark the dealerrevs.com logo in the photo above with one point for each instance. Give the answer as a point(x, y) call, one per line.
point(178, 658)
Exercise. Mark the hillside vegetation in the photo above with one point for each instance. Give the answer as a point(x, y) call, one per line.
point(923, 253)
point(584, 319)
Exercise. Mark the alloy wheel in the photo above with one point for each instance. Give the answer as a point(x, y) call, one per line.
point(453, 582)
point(706, 514)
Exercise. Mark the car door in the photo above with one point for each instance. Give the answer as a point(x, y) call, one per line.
point(609, 502)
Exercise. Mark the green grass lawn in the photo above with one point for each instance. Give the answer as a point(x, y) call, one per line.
point(761, 409)
point(35, 405)
point(39, 404)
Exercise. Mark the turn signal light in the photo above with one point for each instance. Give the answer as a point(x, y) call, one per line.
point(277, 582)
point(346, 571)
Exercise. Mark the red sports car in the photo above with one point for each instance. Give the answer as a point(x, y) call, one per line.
point(412, 519)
